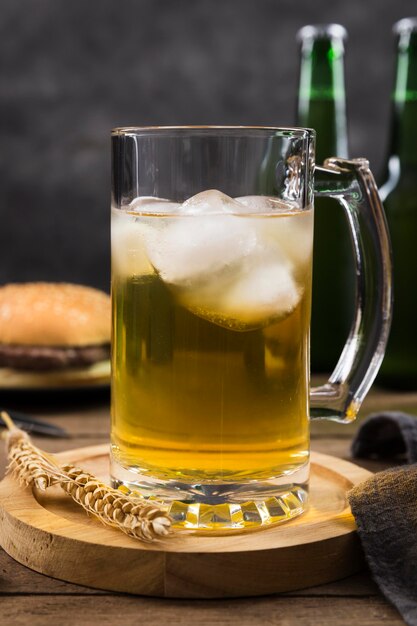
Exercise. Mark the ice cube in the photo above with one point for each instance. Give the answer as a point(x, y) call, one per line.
point(291, 231)
point(261, 290)
point(204, 238)
point(265, 292)
point(128, 236)
point(210, 202)
point(151, 205)
point(129, 233)
point(265, 204)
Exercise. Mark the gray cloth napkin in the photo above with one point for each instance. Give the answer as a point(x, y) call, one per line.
point(385, 508)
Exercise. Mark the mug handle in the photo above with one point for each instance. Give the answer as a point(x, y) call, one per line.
point(351, 182)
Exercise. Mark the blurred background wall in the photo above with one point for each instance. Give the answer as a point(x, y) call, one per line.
point(73, 70)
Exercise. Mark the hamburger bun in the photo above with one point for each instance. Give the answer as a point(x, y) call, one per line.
point(53, 314)
point(47, 326)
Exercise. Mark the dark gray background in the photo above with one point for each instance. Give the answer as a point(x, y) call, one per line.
point(73, 69)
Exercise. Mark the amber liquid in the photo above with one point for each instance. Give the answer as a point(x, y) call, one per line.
point(198, 397)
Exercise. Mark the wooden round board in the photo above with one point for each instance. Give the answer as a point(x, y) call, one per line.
point(49, 533)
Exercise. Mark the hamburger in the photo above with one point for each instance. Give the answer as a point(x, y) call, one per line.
point(53, 327)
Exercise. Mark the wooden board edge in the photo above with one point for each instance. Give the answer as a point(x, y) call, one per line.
point(175, 575)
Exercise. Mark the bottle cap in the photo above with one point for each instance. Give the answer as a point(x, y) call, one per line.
point(322, 31)
point(405, 26)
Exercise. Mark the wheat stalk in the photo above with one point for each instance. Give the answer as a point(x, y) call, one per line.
point(133, 515)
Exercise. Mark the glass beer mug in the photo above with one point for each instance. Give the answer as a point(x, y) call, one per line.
point(211, 290)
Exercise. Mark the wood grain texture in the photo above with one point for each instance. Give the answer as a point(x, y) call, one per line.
point(280, 611)
point(48, 533)
point(16, 579)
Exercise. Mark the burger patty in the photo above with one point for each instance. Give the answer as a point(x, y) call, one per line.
point(44, 358)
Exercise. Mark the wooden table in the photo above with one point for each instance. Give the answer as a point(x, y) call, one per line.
point(28, 597)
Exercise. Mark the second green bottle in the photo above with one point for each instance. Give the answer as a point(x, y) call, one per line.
point(322, 106)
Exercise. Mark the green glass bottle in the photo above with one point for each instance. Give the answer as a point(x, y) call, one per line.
point(399, 194)
point(322, 106)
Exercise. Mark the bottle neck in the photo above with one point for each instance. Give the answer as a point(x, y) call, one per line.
point(322, 98)
point(404, 103)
